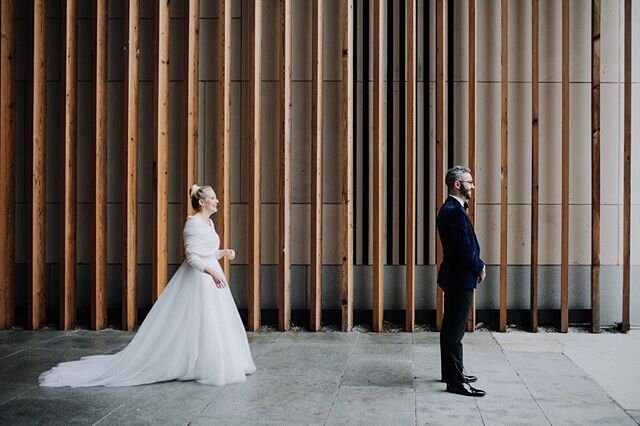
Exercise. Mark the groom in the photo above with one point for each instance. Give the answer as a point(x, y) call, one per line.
point(461, 270)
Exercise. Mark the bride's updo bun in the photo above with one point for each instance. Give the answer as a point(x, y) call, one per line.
point(197, 193)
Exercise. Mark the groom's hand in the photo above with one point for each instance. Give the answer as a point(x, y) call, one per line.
point(483, 274)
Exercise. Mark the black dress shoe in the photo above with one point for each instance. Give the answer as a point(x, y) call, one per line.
point(466, 378)
point(466, 390)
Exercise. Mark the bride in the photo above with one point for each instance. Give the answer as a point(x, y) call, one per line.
point(193, 331)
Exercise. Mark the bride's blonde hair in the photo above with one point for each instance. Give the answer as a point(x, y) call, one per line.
point(197, 193)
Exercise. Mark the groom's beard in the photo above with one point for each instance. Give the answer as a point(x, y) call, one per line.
point(466, 193)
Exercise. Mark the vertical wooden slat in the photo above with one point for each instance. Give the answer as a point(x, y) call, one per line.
point(317, 63)
point(471, 323)
point(99, 169)
point(378, 165)
point(130, 161)
point(7, 162)
point(595, 166)
point(626, 208)
point(535, 167)
point(160, 149)
point(347, 163)
point(440, 142)
point(284, 155)
point(37, 146)
point(255, 148)
point(68, 111)
point(224, 128)
point(191, 94)
point(411, 166)
point(504, 65)
point(564, 252)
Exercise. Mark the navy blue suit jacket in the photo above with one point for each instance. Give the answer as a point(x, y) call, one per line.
point(461, 265)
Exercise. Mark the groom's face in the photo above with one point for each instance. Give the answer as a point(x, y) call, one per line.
point(466, 186)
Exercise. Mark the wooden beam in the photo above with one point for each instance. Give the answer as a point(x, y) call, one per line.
point(347, 163)
point(378, 164)
point(160, 259)
point(410, 306)
point(284, 178)
point(504, 66)
point(254, 137)
point(7, 162)
point(191, 95)
point(564, 255)
point(440, 141)
point(130, 157)
point(595, 166)
point(36, 168)
point(69, 65)
point(317, 77)
point(471, 322)
point(224, 129)
point(99, 169)
point(626, 208)
point(535, 162)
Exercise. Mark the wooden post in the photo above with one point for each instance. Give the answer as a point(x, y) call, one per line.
point(7, 162)
point(410, 315)
point(36, 167)
point(99, 169)
point(504, 65)
point(595, 166)
point(160, 149)
point(440, 140)
point(564, 261)
point(255, 147)
point(191, 95)
point(284, 151)
point(130, 157)
point(347, 163)
point(68, 213)
point(378, 165)
point(224, 128)
point(471, 323)
point(317, 77)
point(626, 213)
point(535, 166)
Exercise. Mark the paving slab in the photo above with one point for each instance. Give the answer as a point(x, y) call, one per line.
point(372, 405)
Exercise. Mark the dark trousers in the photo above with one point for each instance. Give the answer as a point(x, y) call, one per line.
point(456, 311)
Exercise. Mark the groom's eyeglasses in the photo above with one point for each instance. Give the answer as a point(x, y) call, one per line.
point(466, 181)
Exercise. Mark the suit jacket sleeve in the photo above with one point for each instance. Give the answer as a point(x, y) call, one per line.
point(461, 238)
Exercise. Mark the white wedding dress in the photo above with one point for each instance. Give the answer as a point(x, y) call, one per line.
point(193, 331)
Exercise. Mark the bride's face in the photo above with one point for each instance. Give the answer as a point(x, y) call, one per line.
point(210, 203)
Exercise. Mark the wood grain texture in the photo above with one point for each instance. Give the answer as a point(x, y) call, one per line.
point(440, 141)
point(471, 323)
point(160, 258)
point(284, 176)
point(626, 207)
point(564, 250)
point(36, 169)
point(347, 89)
point(191, 99)
point(504, 127)
point(317, 64)
point(7, 163)
point(224, 130)
point(99, 169)
point(535, 163)
point(68, 113)
point(377, 206)
point(595, 166)
point(254, 136)
point(130, 157)
point(410, 250)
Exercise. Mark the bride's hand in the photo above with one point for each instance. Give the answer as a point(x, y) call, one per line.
point(230, 253)
point(218, 279)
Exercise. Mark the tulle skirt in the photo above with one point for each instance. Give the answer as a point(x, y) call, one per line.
point(193, 332)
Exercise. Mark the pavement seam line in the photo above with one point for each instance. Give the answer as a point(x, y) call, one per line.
point(344, 371)
point(520, 378)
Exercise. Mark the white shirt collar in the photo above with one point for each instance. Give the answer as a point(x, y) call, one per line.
point(460, 200)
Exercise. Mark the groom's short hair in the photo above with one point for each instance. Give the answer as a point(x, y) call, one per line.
point(454, 174)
